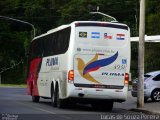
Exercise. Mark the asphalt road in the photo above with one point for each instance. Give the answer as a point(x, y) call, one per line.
point(15, 104)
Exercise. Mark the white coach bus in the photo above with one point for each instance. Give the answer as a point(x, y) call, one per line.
point(85, 62)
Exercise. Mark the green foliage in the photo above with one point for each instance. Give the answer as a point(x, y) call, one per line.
point(14, 76)
point(123, 10)
point(153, 24)
point(47, 14)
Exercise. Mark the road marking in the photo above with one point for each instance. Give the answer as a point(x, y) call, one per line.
point(66, 117)
point(37, 108)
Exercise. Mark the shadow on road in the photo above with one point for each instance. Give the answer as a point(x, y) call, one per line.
point(74, 107)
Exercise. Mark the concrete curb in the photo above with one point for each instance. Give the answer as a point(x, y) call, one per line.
point(144, 111)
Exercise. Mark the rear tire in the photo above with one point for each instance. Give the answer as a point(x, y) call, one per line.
point(155, 96)
point(35, 98)
point(60, 102)
point(53, 97)
point(56, 101)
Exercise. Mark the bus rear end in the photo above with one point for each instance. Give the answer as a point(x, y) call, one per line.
point(101, 62)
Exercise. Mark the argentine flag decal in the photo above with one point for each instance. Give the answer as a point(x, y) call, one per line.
point(95, 35)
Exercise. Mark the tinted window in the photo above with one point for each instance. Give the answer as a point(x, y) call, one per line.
point(52, 44)
point(57, 43)
point(36, 49)
point(157, 78)
point(146, 76)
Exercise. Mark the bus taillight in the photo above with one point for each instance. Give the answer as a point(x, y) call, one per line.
point(126, 79)
point(71, 75)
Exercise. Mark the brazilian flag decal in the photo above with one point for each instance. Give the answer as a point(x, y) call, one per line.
point(83, 34)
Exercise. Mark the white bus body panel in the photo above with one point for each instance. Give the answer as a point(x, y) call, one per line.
point(94, 80)
point(88, 50)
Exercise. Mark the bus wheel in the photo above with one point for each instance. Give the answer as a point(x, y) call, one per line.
point(35, 98)
point(60, 102)
point(53, 98)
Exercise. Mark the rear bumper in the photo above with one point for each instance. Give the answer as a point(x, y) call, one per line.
point(89, 100)
point(147, 93)
point(98, 93)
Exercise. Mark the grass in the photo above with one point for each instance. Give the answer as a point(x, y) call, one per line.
point(13, 85)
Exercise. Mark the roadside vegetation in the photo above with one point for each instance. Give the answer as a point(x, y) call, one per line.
point(13, 85)
point(48, 14)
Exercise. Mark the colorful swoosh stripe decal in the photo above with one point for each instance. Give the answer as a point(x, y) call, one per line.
point(93, 65)
point(99, 63)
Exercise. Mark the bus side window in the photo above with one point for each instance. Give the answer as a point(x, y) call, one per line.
point(56, 43)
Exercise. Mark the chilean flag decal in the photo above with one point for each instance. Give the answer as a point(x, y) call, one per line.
point(120, 37)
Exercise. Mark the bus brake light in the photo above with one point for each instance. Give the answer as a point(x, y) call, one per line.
point(126, 79)
point(71, 75)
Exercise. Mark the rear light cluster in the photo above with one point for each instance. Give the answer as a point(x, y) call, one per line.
point(126, 79)
point(71, 75)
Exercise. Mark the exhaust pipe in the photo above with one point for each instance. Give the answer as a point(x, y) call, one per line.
point(80, 94)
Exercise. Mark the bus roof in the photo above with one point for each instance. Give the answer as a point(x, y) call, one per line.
point(52, 31)
point(65, 26)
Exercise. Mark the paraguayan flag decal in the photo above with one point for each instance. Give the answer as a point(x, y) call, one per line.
point(120, 37)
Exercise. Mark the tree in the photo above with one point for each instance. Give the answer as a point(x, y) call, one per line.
point(48, 14)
